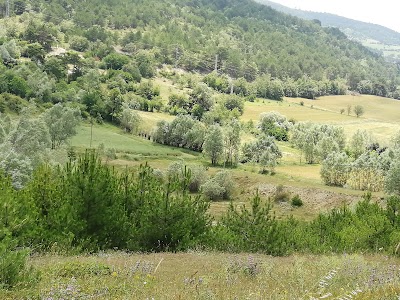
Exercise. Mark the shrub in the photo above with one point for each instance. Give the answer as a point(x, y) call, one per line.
point(13, 266)
point(212, 190)
point(111, 153)
point(274, 124)
point(197, 177)
point(335, 169)
point(79, 43)
point(359, 110)
point(296, 201)
point(254, 229)
point(280, 194)
point(249, 267)
point(115, 61)
point(175, 169)
point(165, 217)
point(219, 187)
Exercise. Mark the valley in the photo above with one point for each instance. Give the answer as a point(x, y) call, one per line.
point(180, 150)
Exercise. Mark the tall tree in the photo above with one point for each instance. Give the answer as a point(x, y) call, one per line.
point(62, 122)
point(232, 142)
point(213, 144)
point(129, 119)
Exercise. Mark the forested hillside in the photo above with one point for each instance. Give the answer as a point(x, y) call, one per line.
point(240, 39)
point(156, 126)
point(355, 29)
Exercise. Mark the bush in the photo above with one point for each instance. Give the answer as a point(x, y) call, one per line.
point(219, 187)
point(79, 43)
point(13, 266)
point(296, 201)
point(111, 153)
point(115, 61)
point(165, 217)
point(197, 177)
point(359, 110)
point(253, 230)
point(280, 194)
point(274, 124)
point(212, 190)
point(335, 169)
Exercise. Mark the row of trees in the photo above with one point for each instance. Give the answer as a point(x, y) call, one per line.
point(361, 164)
point(214, 140)
point(222, 141)
point(375, 169)
point(264, 86)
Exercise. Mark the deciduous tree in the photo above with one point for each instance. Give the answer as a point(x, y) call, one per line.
point(213, 144)
point(62, 122)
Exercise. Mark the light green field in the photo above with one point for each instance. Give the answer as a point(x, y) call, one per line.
point(149, 120)
point(387, 50)
point(201, 275)
point(381, 118)
point(113, 137)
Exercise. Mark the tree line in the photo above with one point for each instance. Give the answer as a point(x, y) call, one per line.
point(281, 56)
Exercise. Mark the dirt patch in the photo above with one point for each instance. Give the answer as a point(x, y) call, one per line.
point(55, 51)
point(314, 199)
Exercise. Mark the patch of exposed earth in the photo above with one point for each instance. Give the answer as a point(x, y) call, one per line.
point(314, 200)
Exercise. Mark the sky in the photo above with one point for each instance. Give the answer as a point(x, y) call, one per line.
point(382, 12)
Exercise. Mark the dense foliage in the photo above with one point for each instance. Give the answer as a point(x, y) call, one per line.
point(355, 29)
point(252, 49)
point(87, 205)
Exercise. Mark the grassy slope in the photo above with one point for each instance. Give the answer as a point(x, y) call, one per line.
point(199, 275)
point(381, 116)
point(299, 178)
point(133, 148)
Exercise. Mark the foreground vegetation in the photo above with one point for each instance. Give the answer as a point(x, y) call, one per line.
point(200, 275)
point(89, 206)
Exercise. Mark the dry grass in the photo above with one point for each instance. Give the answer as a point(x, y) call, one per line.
point(167, 88)
point(380, 118)
point(150, 119)
point(200, 275)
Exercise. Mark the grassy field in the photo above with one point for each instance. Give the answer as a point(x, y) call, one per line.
point(200, 275)
point(131, 150)
point(392, 51)
point(292, 173)
point(381, 116)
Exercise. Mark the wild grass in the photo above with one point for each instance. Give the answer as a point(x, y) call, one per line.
point(113, 137)
point(200, 275)
point(380, 118)
point(292, 171)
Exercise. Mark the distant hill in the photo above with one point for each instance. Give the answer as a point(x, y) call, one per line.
point(358, 30)
point(242, 39)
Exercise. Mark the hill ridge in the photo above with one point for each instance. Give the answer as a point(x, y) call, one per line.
point(360, 29)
